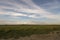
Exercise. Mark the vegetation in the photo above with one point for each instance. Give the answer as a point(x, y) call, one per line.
point(16, 31)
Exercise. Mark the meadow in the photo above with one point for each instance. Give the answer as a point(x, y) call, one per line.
point(16, 31)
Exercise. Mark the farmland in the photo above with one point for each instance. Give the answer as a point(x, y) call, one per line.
point(16, 31)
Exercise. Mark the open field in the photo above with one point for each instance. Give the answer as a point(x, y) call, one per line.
point(16, 31)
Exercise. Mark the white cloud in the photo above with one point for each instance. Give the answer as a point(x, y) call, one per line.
point(31, 7)
point(4, 22)
point(25, 8)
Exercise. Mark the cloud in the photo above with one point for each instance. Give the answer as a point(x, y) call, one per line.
point(25, 8)
point(53, 6)
point(18, 8)
point(4, 22)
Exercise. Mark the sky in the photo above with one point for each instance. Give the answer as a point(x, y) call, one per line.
point(29, 11)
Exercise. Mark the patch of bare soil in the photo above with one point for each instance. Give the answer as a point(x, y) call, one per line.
point(51, 36)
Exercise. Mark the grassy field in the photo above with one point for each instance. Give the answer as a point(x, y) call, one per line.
point(16, 31)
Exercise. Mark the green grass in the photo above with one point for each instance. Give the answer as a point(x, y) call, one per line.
point(16, 31)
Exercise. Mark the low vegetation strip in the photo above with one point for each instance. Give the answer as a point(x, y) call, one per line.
point(16, 31)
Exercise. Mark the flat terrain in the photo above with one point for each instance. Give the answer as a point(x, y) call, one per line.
point(18, 31)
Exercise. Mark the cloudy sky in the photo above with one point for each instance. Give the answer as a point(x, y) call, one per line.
point(29, 11)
